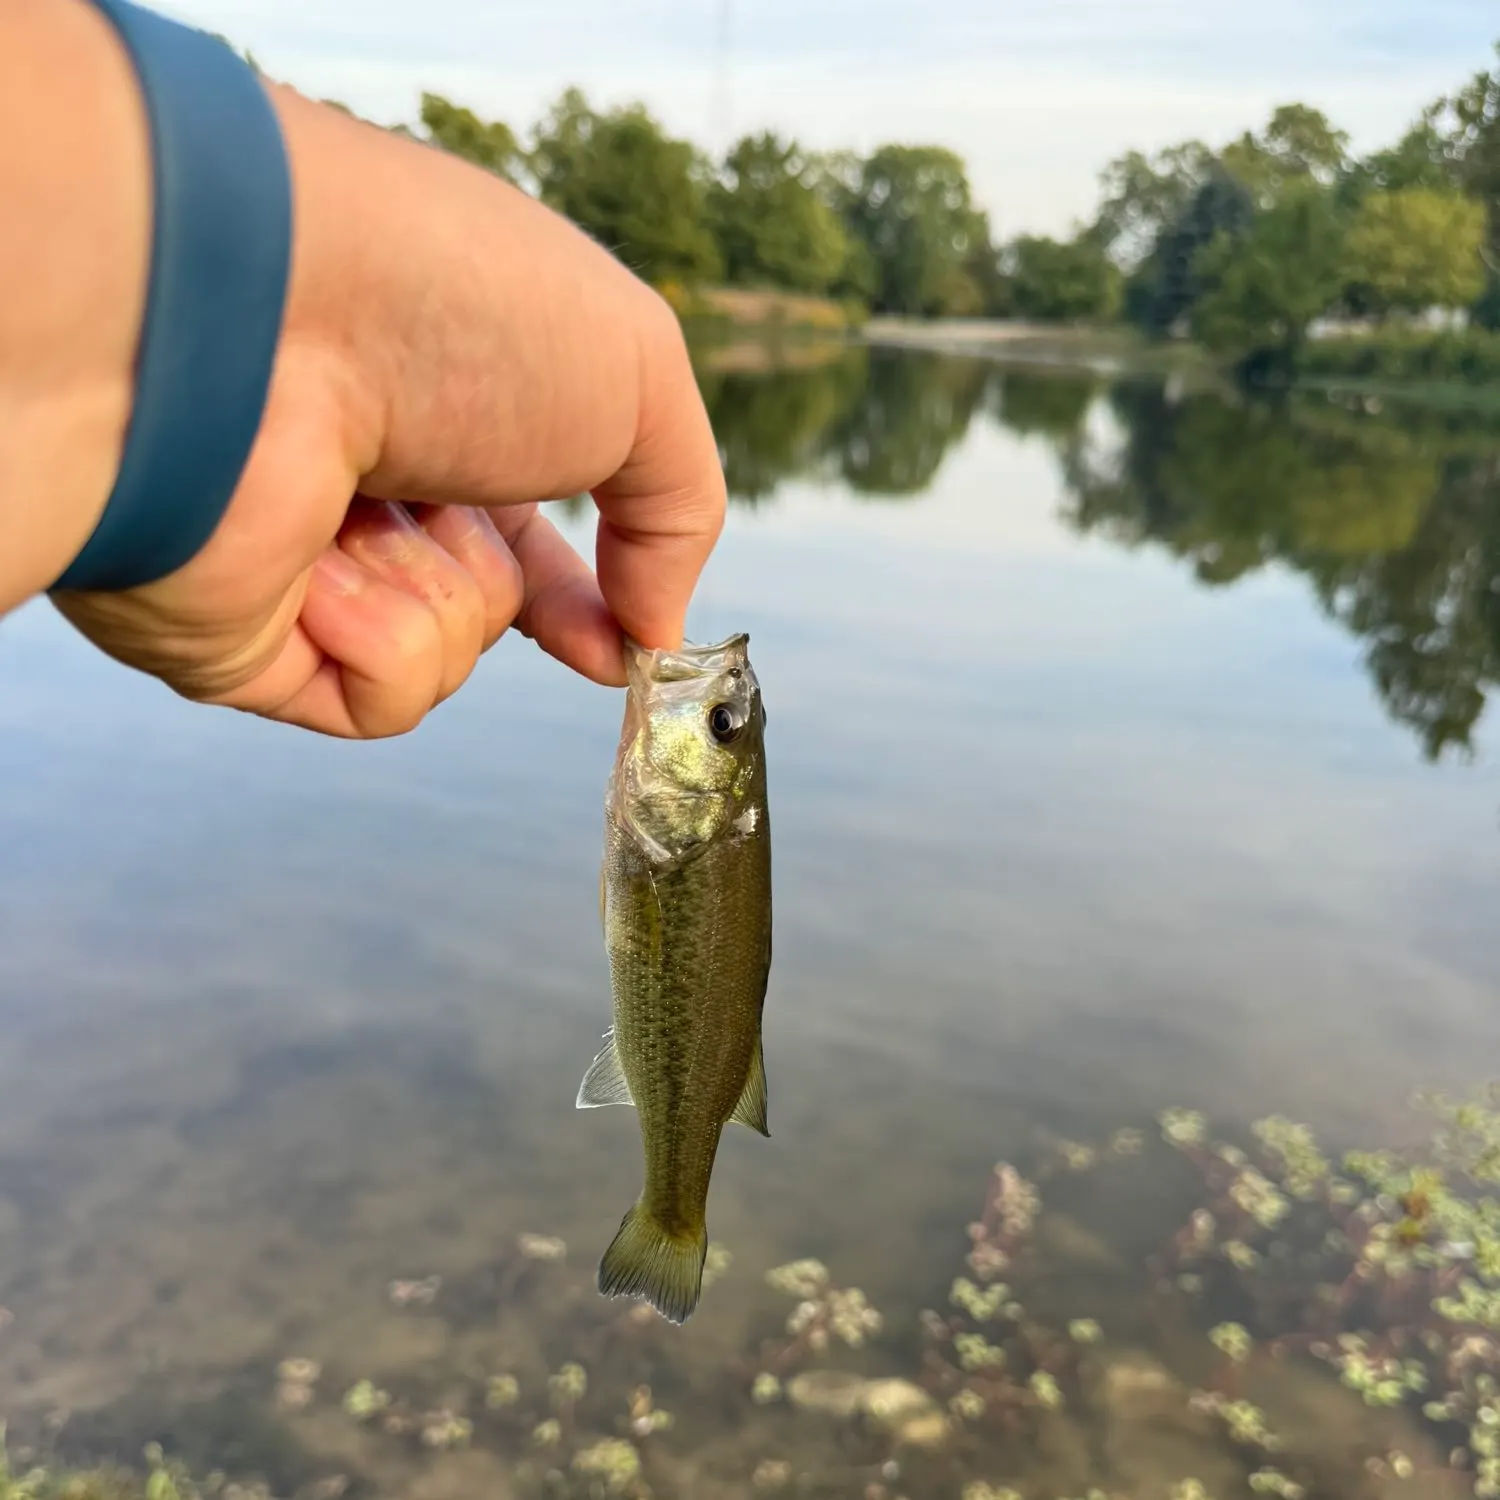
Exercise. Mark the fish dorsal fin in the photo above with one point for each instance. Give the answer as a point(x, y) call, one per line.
point(751, 1110)
point(604, 1083)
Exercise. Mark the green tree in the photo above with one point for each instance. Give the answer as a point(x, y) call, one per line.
point(1142, 196)
point(635, 189)
point(1418, 160)
point(490, 144)
point(1473, 144)
point(836, 177)
point(1162, 292)
point(1298, 146)
point(986, 274)
point(913, 211)
point(1414, 248)
point(1264, 288)
point(1062, 281)
point(772, 226)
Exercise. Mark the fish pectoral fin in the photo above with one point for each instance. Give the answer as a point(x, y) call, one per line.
point(751, 1110)
point(604, 1083)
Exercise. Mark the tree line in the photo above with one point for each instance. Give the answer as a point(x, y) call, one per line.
point(1241, 246)
point(897, 230)
point(1393, 522)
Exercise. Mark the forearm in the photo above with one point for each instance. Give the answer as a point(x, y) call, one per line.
point(75, 231)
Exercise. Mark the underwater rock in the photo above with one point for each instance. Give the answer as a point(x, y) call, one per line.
point(834, 1393)
point(542, 1247)
point(892, 1402)
point(1135, 1387)
point(906, 1411)
point(928, 1429)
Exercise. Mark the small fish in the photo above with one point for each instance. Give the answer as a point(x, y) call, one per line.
point(685, 901)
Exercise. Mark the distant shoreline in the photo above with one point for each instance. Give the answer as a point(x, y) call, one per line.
point(969, 332)
point(1104, 350)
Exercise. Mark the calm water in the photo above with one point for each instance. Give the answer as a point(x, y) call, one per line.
point(1128, 750)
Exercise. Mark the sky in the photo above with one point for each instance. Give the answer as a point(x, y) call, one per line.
point(1037, 95)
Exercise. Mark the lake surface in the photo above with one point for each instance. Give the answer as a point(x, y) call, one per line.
point(1128, 750)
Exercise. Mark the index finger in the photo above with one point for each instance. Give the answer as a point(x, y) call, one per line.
point(662, 512)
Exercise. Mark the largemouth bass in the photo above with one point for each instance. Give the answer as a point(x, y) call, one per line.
point(685, 900)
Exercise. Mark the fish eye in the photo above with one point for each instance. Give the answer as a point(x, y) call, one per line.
point(725, 723)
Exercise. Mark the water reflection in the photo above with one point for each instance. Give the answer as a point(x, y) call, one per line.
point(1393, 527)
point(1393, 520)
point(1082, 810)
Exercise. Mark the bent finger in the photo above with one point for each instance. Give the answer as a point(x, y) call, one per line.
point(468, 535)
point(365, 660)
point(384, 539)
point(563, 610)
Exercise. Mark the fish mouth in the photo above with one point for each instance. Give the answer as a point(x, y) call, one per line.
point(655, 664)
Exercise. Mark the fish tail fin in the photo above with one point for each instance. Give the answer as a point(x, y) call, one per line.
point(646, 1260)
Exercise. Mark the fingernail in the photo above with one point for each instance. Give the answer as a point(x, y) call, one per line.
point(339, 573)
point(391, 537)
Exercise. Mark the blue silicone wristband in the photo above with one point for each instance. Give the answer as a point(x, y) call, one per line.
point(215, 295)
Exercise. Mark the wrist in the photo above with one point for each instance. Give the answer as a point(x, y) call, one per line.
point(74, 282)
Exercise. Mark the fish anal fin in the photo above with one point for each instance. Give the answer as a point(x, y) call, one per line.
point(604, 1083)
point(751, 1109)
point(645, 1260)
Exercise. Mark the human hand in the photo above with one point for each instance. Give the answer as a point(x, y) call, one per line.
point(452, 353)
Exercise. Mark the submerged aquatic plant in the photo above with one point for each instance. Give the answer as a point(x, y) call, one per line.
point(445, 1429)
point(363, 1401)
point(1384, 1266)
point(716, 1261)
point(501, 1391)
point(613, 1462)
point(824, 1311)
point(1274, 1482)
point(645, 1417)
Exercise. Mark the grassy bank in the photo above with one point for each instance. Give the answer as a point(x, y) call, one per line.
point(745, 310)
point(1401, 358)
point(744, 330)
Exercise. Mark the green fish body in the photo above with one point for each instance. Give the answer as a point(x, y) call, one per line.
point(685, 897)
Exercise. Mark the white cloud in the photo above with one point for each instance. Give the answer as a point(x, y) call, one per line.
point(1037, 94)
